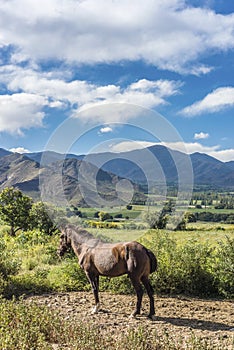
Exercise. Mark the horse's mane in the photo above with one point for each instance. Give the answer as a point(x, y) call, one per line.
point(81, 235)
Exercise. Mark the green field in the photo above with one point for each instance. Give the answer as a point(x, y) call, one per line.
point(211, 232)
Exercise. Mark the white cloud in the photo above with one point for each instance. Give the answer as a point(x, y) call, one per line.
point(19, 150)
point(215, 101)
point(81, 96)
point(201, 135)
point(223, 155)
point(21, 111)
point(125, 146)
point(105, 130)
point(189, 148)
point(168, 34)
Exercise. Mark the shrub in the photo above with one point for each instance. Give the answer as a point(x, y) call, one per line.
point(118, 285)
point(9, 265)
point(182, 268)
point(31, 326)
point(68, 276)
point(224, 267)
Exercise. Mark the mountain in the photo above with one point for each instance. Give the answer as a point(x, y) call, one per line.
point(49, 157)
point(4, 152)
point(19, 171)
point(209, 170)
point(158, 163)
point(99, 176)
point(81, 183)
point(230, 164)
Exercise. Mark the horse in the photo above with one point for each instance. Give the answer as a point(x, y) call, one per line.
point(98, 258)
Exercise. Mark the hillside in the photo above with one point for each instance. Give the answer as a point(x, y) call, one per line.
point(208, 170)
point(156, 162)
point(4, 152)
point(49, 157)
point(230, 164)
point(19, 171)
point(24, 173)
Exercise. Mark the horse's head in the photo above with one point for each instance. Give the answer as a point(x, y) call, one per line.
point(64, 243)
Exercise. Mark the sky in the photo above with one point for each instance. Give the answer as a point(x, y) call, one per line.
point(90, 62)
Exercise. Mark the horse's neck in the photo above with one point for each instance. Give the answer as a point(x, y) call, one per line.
point(80, 243)
point(77, 243)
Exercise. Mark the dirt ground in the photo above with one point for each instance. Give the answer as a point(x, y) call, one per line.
point(180, 316)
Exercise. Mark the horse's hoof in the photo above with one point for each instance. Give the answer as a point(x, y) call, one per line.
point(152, 317)
point(95, 309)
point(134, 314)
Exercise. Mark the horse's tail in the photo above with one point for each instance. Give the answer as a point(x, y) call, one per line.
point(153, 260)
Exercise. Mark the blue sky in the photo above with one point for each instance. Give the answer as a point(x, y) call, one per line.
point(64, 59)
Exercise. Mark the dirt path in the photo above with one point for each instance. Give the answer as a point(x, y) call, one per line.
point(180, 317)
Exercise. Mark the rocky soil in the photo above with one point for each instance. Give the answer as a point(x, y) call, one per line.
point(180, 317)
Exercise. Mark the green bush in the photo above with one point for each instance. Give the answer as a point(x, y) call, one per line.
point(9, 265)
point(27, 283)
point(224, 268)
point(185, 269)
point(193, 267)
point(117, 285)
point(68, 276)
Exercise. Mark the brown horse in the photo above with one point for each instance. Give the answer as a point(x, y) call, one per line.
point(98, 258)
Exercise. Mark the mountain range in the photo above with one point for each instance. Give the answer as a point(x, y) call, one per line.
point(156, 164)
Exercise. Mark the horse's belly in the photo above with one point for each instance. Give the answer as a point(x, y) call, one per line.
point(108, 265)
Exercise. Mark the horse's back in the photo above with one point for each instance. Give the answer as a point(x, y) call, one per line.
point(110, 259)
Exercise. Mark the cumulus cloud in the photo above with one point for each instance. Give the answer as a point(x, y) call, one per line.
point(105, 130)
point(191, 147)
point(88, 32)
point(215, 101)
point(185, 147)
point(19, 150)
point(129, 145)
point(223, 155)
point(201, 135)
point(21, 111)
point(80, 96)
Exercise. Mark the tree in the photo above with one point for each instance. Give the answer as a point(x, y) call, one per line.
point(39, 218)
point(103, 216)
point(14, 209)
point(190, 217)
point(156, 219)
point(159, 219)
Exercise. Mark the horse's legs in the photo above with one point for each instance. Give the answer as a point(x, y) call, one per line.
point(150, 293)
point(139, 292)
point(94, 281)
